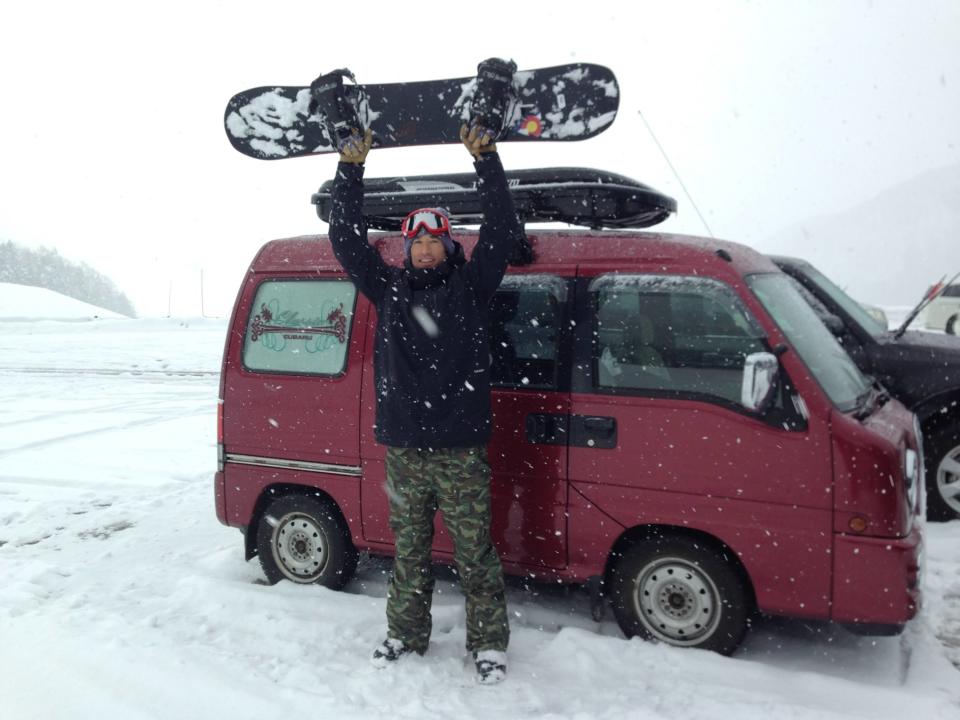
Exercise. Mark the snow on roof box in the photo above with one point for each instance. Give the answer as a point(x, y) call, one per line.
point(579, 196)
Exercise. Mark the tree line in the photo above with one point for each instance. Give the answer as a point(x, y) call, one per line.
point(46, 268)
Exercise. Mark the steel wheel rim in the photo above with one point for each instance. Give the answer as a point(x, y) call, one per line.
point(948, 479)
point(299, 547)
point(676, 601)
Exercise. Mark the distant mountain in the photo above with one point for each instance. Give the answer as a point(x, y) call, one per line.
point(888, 250)
point(23, 302)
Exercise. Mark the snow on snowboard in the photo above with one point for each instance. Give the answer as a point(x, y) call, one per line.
point(565, 102)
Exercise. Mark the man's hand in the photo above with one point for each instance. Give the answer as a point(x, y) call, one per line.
point(478, 140)
point(356, 148)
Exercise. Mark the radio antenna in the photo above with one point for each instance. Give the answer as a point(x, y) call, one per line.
point(676, 174)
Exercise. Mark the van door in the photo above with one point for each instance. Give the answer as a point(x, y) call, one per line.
point(293, 384)
point(530, 370)
point(531, 348)
point(658, 434)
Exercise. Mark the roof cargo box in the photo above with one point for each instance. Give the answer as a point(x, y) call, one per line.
point(578, 196)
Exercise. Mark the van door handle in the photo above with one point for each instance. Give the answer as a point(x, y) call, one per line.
point(602, 425)
point(593, 431)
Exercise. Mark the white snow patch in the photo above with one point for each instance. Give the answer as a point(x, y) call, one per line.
point(25, 302)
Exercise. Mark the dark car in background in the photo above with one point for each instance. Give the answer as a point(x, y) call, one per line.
point(920, 369)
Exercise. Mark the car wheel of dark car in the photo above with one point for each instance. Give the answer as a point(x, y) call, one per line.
point(305, 539)
point(681, 591)
point(951, 326)
point(943, 474)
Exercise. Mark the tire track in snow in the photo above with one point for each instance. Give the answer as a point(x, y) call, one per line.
point(146, 422)
point(108, 371)
point(115, 407)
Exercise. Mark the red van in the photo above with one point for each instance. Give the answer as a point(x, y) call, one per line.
point(671, 419)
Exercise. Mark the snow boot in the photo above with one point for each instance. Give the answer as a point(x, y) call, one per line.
point(389, 651)
point(491, 666)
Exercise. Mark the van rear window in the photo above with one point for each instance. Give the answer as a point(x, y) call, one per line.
point(300, 326)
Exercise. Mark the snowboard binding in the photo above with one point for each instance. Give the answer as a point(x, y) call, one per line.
point(337, 105)
point(492, 95)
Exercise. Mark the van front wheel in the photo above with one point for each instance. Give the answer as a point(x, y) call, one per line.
point(680, 591)
point(304, 539)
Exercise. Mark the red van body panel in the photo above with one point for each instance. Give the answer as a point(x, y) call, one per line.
point(258, 481)
point(697, 482)
point(876, 580)
point(783, 502)
point(869, 462)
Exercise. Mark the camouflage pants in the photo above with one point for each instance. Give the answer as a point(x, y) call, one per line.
point(457, 481)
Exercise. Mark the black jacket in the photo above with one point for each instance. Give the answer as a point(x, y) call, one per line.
point(432, 352)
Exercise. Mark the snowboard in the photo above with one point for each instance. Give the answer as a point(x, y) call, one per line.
point(565, 102)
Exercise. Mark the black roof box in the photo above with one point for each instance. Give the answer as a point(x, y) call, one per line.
point(579, 196)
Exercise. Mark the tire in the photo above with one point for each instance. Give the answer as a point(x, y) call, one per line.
point(943, 474)
point(680, 591)
point(304, 539)
point(951, 327)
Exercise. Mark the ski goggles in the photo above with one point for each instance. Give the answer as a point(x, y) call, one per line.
point(425, 219)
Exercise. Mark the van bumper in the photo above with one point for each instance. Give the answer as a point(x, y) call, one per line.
point(219, 497)
point(876, 581)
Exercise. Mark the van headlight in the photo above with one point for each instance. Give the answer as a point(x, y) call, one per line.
point(911, 465)
point(920, 486)
point(911, 471)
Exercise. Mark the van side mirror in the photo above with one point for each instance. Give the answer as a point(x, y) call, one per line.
point(759, 380)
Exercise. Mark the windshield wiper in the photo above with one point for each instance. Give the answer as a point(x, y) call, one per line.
point(864, 406)
point(931, 295)
point(875, 396)
point(883, 397)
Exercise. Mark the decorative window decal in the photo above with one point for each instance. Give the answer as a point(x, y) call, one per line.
point(300, 326)
point(293, 328)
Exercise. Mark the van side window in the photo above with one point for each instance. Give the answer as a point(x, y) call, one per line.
point(300, 326)
point(671, 334)
point(525, 330)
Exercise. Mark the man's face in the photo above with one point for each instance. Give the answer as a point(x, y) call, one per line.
point(427, 251)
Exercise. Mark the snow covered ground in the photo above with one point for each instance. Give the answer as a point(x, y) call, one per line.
point(122, 597)
point(25, 302)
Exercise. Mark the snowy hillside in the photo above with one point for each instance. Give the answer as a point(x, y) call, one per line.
point(25, 302)
point(890, 249)
point(123, 597)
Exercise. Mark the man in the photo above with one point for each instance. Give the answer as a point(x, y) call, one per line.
point(432, 366)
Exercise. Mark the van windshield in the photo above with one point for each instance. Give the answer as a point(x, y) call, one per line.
point(817, 347)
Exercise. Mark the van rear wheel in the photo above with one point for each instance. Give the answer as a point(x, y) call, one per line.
point(680, 591)
point(305, 539)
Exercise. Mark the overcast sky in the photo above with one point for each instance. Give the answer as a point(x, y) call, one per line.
point(771, 112)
